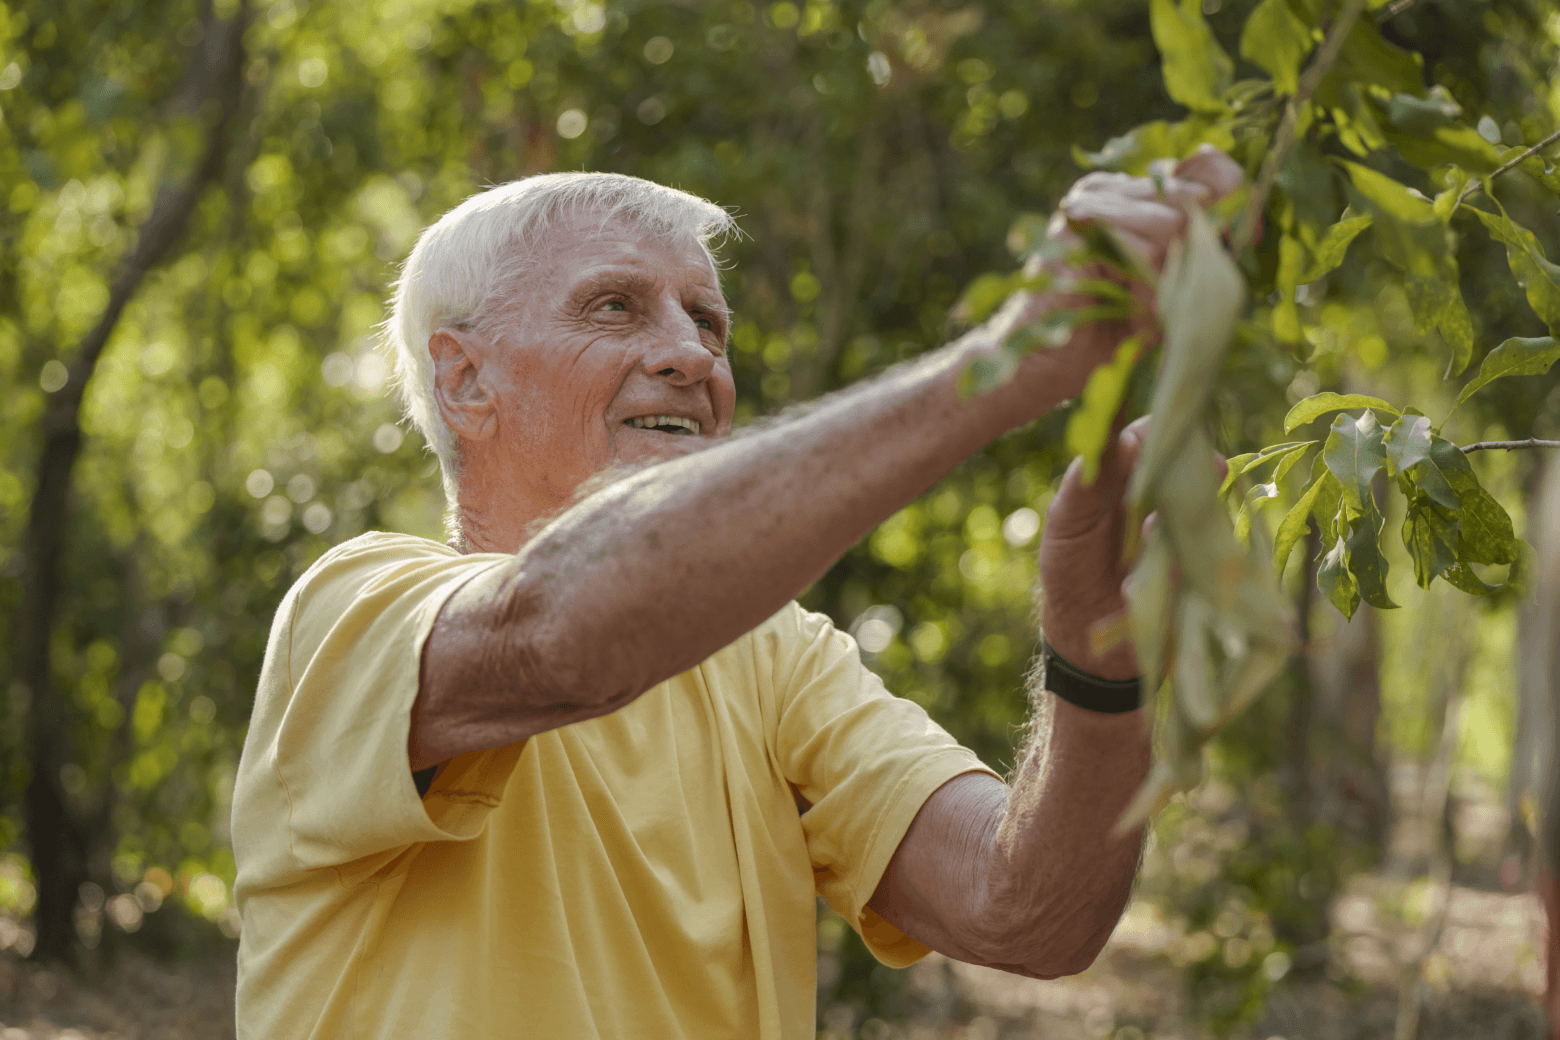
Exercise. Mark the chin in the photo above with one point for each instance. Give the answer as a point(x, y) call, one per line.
point(667, 448)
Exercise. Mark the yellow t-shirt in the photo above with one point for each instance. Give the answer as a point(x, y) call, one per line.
point(644, 874)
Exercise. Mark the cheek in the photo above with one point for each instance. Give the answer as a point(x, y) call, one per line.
point(723, 393)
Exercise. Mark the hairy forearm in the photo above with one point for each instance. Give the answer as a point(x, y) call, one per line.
point(672, 563)
point(1057, 875)
point(1029, 878)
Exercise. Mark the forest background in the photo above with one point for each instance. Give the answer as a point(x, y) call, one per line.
point(202, 206)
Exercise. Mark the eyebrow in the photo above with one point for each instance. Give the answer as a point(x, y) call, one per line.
point(610, 279)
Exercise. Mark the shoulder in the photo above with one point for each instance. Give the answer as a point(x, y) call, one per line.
point(359, 563)
point(372, 574)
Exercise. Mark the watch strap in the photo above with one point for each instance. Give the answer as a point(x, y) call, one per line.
point(1085, 690)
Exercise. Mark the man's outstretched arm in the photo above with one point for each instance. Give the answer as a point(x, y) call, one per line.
point(646, 578)
point(670, 564)
point(1031, 878)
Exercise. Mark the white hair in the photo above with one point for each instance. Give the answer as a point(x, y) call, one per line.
point(465, 268)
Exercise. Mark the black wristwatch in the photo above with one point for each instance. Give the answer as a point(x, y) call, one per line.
point(1076, 686)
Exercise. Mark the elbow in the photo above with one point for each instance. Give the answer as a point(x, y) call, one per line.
point(535, 644)
point(1047, 942)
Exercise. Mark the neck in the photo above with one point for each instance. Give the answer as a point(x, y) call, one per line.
point(493, 515)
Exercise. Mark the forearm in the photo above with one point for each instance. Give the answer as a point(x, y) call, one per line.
point(1056, 874)
point(670, 564)
point(1029, 878)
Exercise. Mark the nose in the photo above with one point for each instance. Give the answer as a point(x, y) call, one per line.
point(679, 354)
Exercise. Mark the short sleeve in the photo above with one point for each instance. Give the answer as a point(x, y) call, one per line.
point(865, 760)
point(353, 639)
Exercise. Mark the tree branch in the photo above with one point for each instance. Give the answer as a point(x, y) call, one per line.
point(1284, 139)
point(1473, 188)
point(1531, 442)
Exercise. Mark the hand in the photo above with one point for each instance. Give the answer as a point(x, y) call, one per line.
point(1146, 215)
point(1083, 571)
point(1081, 565)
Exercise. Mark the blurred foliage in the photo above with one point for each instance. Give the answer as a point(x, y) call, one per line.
point(877, 155)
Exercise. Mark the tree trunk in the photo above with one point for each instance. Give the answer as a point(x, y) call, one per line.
point(56, 840)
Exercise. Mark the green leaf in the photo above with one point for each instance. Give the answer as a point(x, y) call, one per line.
point(1195, 687)
point(988, 292)
point(1259, 496)
point(1330, 251)
point(1407, 442)
point(1409, 236)
point(1366, 563)
point(1336, 583)
point(1457, 144)
point(1413, 239)
point(1235, 467)
point(1200, 296)
point(1368, 60)
point(1515, 357)
point(1288, 453)
point(1132, 151)
point(1089, 425)
point(1427, 476)
point(1102, 289)
point(1437, 302)
point(1354, 454)
point(1318, 405)
point(1288, 462)
point(1446, 202)
point(1195, 68)
point(1277, 40)
point(1292, 527)
point(1532, 269)
point(1454, 467)
point(1461, 576)
point(1430, 536)
point(1328, 505)
point(1485, 533)
point(1150, 595)
point(1423, 115)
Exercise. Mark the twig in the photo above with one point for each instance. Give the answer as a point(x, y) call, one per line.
point(1394, 10)
point(1531, 442)
point(1284, 140)
point(1476, 184)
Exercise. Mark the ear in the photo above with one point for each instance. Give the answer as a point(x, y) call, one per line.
point(465, 400)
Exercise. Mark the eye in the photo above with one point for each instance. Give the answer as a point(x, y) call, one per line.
point(704, 323)
point(616, 305)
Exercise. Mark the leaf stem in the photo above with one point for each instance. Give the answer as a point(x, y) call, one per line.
point(1284, 139)
point(1531, 442)
point(1476, 184)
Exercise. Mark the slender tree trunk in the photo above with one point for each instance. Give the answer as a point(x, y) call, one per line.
point(1302, 705)
point(55, 839)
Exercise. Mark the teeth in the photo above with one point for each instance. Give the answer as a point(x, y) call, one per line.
point(646, 422)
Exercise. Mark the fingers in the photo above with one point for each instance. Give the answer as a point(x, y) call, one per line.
point(1130, 442)
point(1212, 168)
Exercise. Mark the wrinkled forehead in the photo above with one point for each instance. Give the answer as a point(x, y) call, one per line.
point(576, 244)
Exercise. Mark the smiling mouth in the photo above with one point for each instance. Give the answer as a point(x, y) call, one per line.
point(674, 424)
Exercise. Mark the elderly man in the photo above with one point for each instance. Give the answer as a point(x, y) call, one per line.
point(584, 771)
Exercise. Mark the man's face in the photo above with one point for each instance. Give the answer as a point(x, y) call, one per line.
point(616, 355)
